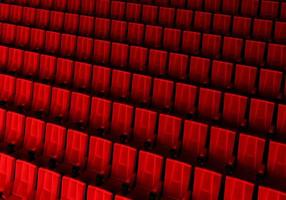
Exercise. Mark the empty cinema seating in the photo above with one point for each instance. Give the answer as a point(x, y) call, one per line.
point(143, 99)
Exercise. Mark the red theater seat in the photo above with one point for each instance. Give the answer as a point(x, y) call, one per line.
point(254, 52)
point(185, 98)
point(162, 93)
point(250, 154)
point(7, 172)
point(55, 139)
point(76, 148)
point(122, 116)
point(79, 108)
point(86, 24)
point(178, 64)
point(169, 129)
point(234, 109)
point(270, 83)
point(138, 58)
point(119, 55)
point(221, 147)
point(15, 60)
point(60, 103)
point(23, 95)
point(56, 20)
point(102, 8)
point(98, 193)
point(53, 40)
point(120, 84)
point(47, 67)
point(34, 135)
point(194, 140)
point(241, 26)
point(232, 48)
point(68, 45)
point(100, 114)
point(101, 79)
point(118, 9)
point(41, 98)
point(123, 165)
point(221, 24)
point(102, 28)
point(153, 36)
point(277, 162)
point(84, 48)
point(64, 71)
point(44, 187)
point(237, 189)
point(141, 88)
point(265, 193)
point(150, 167)
point(22, 38)
point(157, 62)
point(98, 162)
point(183, 18)
point(25, 177)
point(206, 184)
point(31, 64)
point(166, 16)
point(281, 123)
point(222, 74)
point(191, 42)
point(7, 88)
point(176, 181)
point(199, 69)
point(276, 56)
point(133, 11)
point(149, 14)
point(135, 33)
point(118, 30)
point(211, 45)
point(87, 7)
point(209, 103)
point(245, 78)
point(145, 125)
point(72, 189)
point(82, 75)
point(202, 21)
point(260, 115)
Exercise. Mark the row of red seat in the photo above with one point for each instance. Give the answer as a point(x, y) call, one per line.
point(41, 183)
point(103, 51)
point(260, 29)
point(105, 8)
point(24, 93)
point(245, 79)
point(88, 157)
